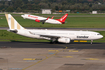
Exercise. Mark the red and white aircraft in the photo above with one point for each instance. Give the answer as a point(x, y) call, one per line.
point(45, 20)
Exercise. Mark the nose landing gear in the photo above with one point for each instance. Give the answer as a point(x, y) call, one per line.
point(91, 41)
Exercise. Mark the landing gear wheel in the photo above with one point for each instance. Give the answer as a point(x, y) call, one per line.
point(54, 41)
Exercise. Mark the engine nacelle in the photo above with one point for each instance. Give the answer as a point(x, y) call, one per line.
point(64, 40)
point(37, 20)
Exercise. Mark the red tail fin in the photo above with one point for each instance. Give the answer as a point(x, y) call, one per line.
point(62, 19)
point(52, 17)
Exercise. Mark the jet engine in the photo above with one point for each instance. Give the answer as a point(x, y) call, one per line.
point(37, 20)
point(64, 40)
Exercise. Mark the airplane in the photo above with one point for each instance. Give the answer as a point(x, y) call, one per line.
point(63, 36)
point(45, 20)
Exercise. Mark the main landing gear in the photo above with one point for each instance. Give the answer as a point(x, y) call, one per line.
point(53, 41)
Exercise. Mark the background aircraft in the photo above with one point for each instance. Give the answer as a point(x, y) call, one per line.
point(45, 20)
point(63, 36)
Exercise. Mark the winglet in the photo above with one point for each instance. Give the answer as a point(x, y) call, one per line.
point(47, 18)
point(13, 24)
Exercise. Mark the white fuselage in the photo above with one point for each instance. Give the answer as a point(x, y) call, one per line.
point(34, 17)
point(47, 34)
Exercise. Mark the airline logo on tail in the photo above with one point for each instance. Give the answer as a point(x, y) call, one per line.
point(13, 24)
point(62, 19)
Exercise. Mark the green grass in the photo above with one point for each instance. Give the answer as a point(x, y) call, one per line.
point(72, 21)
point(9, 36)
point(86, 22)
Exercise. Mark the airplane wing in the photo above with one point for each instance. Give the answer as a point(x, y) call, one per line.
point(50, 36)
point(43, 21)
point(46, 35)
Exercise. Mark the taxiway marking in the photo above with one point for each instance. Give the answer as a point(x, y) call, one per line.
point(32, 59)
point(45, 58)
point(53, 50)
point(73, 50)
point(65, 56)
point(91, 59)
point(70, 51)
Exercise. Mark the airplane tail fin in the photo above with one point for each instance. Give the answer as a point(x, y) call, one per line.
point(13, 24)
point(62, 19)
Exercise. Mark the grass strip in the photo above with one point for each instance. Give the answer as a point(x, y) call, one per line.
point(72, 21)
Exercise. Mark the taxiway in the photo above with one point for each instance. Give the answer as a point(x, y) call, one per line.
point(46, 56)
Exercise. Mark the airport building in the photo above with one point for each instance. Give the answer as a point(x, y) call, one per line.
point(46, 11)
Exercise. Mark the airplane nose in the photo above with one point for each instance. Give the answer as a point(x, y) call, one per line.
point(101, 36)
point(22, 15)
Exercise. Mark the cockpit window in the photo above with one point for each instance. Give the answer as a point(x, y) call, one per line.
point(98, 34)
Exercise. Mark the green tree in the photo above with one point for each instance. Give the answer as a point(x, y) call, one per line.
point(10, 9)
point(18, 9)
point(3, 10)
point(17, 3)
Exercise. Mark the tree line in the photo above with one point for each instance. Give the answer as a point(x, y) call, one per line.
point(82, 6)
